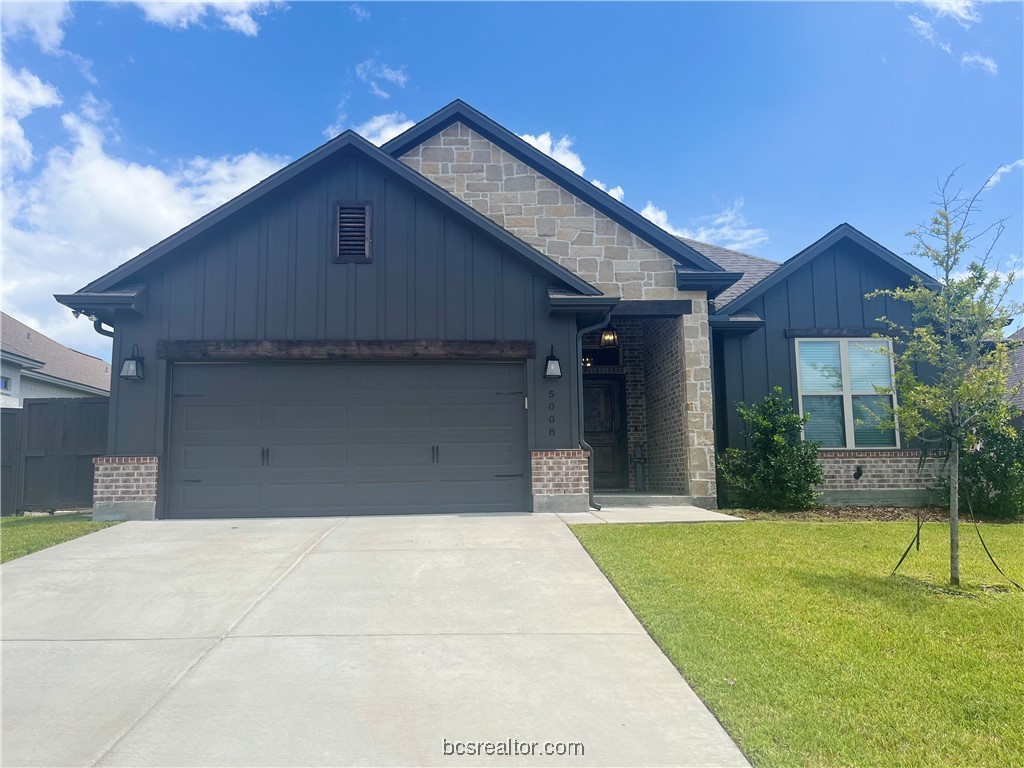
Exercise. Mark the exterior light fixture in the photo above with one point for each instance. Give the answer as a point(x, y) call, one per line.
point(609, 337)
point(131, 368)
point(588, 362)
point(552, 367)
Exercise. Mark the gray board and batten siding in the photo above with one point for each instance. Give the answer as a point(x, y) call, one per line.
point(824, 296)
point(266, 273)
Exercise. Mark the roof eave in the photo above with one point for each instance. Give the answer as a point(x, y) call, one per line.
point(711, 282)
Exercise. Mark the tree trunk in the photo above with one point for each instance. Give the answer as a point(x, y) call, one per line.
point(954, 514)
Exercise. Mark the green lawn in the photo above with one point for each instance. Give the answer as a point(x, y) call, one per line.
point(811, 654)
point(20, 536)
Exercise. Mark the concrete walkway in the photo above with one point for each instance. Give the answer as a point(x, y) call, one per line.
point(353, 641)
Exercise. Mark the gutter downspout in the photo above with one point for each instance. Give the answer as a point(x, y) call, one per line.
point(98, 327)
point(579, 399)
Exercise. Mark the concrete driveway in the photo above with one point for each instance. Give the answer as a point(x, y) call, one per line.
point(352, 641)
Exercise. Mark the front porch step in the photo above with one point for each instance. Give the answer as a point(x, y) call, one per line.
point(648, 500)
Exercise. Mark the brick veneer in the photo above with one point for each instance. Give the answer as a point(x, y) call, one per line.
point(539, 212)
point(880, 470)
point(125, 487)
point(560, 481)
point(666, 470)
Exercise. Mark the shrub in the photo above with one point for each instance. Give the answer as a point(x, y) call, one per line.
point(992, 476)
point(778, 469)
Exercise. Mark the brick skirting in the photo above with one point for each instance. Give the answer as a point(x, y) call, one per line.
point(560, 481)
point(124, 487)
point(885, 476)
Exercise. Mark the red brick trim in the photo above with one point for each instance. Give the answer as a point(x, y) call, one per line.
point(559, 472)
point(124, 479)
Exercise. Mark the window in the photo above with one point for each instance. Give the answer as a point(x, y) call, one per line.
point(353, 243)
point(5, 383)
point(836, 380)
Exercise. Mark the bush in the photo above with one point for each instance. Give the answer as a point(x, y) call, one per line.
point(992, 477)
point(779, 469)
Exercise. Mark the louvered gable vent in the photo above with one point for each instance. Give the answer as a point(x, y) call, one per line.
point(353, 233)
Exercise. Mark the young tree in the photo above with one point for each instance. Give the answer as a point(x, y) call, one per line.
point(956, 339)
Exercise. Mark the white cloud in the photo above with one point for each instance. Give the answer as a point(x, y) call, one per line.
point(984, 63)
point(233, 14)
point(87, 211)
point(922, 28)
point(373, 74)
point(1002, 171)
point(617, 192)
point(560, 150)
point(359, 12)
point(338, 125)
point(22, 94)
point(43, 22)
point(381, 129)
point(964, 12)
point(728, 228)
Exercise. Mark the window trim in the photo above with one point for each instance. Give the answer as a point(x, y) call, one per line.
point(6, 384)
point(847, 394)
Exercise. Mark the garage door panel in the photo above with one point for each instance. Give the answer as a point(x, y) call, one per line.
point(286, 496)
point(309, 456)
point(214, 458)
point(475, 493)
point(490, 415)
point(347, 438)
point(395, 416)
point(208, 418)
point(207, 496)
point(492, 453)
point(390, 494)
point(307, 416)
point(390, 455)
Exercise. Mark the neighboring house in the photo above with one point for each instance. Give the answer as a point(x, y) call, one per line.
point(35, 366)
point(425, 326)
point(1016, 381)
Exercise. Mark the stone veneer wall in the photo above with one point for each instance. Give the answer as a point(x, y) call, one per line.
point(560, 481)
point(124, 487)
point(631, 349)
point(887, 476)
point(699, 405)
point(539, 212)
point(666, 459)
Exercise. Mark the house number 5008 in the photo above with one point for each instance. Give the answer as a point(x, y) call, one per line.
point(551, 412)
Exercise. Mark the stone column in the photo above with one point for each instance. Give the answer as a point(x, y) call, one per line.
point(698, 408)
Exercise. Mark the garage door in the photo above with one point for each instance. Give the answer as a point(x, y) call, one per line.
point(303, 439)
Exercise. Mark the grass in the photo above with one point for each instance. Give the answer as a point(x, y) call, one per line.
point(811, 654)
point(20, 536)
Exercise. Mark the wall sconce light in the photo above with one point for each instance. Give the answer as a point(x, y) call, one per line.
point(131, 368)
point(552, 367)
point(588, 362)
point(609, 337)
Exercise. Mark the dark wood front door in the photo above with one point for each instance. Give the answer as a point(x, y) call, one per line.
point(604, 427)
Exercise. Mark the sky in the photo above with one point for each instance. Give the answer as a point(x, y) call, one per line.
point(755, 126)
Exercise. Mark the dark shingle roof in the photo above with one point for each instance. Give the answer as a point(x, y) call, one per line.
point(57, 360)
point(754, 268)
point(1016, 381)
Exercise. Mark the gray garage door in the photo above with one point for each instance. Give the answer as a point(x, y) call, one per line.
point(302, 439)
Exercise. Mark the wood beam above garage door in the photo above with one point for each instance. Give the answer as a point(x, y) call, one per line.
point(428, 349)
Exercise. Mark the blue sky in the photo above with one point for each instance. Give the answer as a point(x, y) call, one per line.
point(758, 126)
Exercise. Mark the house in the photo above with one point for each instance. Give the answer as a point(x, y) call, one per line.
point(1016, 380)
point(425, 326)
point(35, 366)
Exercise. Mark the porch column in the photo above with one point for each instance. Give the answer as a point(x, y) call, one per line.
point(698, 407)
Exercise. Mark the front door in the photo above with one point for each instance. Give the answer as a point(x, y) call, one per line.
point(604, 429)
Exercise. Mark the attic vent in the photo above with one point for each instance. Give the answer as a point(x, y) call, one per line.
point(353, 233)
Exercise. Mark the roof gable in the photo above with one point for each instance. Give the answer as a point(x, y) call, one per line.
point(352, 142)
point(753, 268)
point(460, 112)
point(811, 252)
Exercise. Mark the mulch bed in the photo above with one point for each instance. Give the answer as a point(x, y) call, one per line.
point(853, 514)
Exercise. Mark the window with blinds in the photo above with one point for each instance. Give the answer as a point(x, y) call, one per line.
point(845, 388)
point(353, 244)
